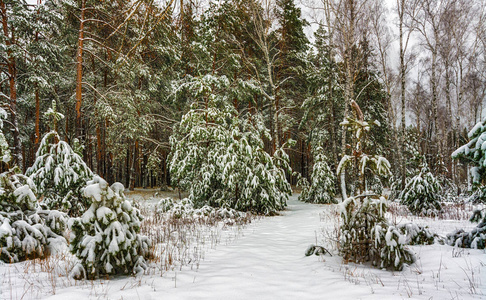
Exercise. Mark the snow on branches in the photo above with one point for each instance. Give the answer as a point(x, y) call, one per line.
point(474, 152)
point(367, 236)
point(365, 233)
point(25, 230)
point(322, 187)
point(106, 237)
point(365, 165)
point(421, 193)
point(59, 174)
point(220, 160)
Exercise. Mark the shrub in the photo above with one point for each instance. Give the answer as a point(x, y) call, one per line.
point(476, 238)
point(416, 235)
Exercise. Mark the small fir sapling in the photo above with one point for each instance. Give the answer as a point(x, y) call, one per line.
point(25, 231)
point(106, 237)
point(365, 234)
point(322, 187)
point(421, 193)
point(59, 172)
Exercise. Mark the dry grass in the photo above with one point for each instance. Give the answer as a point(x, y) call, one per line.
point(177, 243)
point(183, 241)
point(450, 211)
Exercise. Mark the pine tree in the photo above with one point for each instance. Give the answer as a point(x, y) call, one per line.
point(474, 153)
point(106, 237)
point(413, 161)
point(324, 104)
point(421, 193)
point(221, 162)
point(365, 232)
point(363, 164)
point(373, 99)
point(25, 230)
point(58, 172)
point(367, 236)
point(323, 181)
point(290, 76)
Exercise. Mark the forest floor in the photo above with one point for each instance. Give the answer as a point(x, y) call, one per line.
point(265, 260)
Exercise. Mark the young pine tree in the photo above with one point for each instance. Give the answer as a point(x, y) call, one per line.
point(220, 160)
point(322, 188)
point(59, 172)
point(106, 237)
point(25, 230)
point(421, 193)
point(365, 232)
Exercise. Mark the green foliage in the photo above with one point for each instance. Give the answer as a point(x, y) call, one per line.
point(416, 234)
point(220, 160)
point(366, 235)
point(324, 103)
point(421, 193)
point(25, 231)
point(373, 99)
point(360, 162)
point(474, 153)
point(478, 216)
point(476, 238)
point(413, 160)
point(106, 237)
point(59, 174)
point(322, 189)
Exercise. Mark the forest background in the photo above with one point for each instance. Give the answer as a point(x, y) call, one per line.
point(123, 73)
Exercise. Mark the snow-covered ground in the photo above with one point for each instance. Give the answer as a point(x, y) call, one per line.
point(266, 261)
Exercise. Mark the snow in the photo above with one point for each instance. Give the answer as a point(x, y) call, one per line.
point(267, 261)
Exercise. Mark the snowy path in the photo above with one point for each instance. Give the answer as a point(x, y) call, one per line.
point(267, 262)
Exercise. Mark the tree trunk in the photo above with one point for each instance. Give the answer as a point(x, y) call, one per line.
point(37, 117)
point(402, 162)
point(79, 66)
point(131, 186)
point(438, 137)
point(12, 80)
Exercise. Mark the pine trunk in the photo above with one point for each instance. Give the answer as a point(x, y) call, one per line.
point(79, 73)
point(12, 80)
